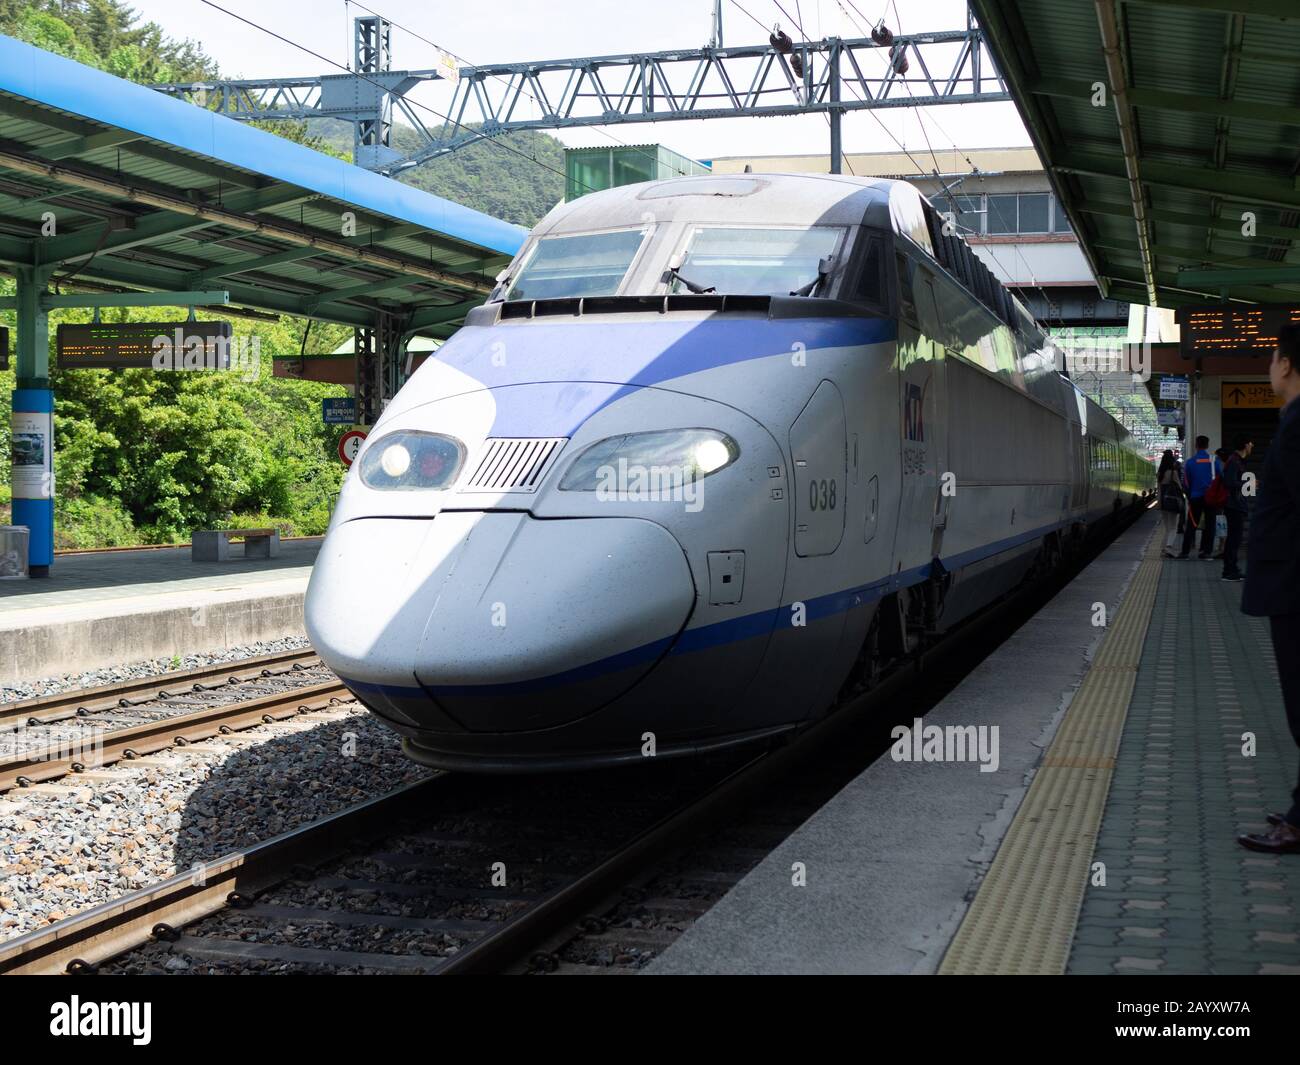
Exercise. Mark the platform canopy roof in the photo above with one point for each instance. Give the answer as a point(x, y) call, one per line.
point(147, 192)
point(1196, 137)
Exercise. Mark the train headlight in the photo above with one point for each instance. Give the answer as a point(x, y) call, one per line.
point(395, 460)
point(409, 460)
point(677, 455)
point(711, 455)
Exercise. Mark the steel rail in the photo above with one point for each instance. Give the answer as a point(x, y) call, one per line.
point(569, 902)
point(77, 943)
point(81, 753)
point(59, 706)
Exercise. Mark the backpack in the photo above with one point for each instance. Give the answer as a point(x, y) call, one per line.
point(1171, 497)
point(1216, 496)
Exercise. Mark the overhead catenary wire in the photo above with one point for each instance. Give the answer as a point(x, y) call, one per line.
point(888, 132)
point(433, 44)
point(799, 25)
point(424, 107)
point(853, 89)
point(920, 120)
point(850, 85)
point(497, 143)
point(920, 169)
point(921, 123)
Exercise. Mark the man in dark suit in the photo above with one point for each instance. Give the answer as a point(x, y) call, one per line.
point(1273, 567)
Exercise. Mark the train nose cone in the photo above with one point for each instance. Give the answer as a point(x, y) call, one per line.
point(503, 621)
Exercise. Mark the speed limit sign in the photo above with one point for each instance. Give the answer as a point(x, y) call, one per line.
point(349, 444)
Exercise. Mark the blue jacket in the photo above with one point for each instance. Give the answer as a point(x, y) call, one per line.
point(1199, 471)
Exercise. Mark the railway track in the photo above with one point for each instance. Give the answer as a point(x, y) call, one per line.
point(416, 898)
point(41, 764)
point(137, 691)
point(78, 732)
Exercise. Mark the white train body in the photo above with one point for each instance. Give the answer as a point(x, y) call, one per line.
point(860, 469)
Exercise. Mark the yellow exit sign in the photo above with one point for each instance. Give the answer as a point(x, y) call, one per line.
point(1249, 394)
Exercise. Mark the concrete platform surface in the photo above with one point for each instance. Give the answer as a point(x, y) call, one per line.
point(894, 858)
point(1205, 754)
point(124, 606)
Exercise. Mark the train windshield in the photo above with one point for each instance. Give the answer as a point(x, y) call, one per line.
point(589, 264)
point(759, 262)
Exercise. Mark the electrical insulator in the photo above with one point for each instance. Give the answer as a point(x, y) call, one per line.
point(780, 41)
point(898, 59)
point(883, 35)
point(796, 64)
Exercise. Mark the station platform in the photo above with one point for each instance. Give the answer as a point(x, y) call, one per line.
point(1104, 842)
point(108, 608)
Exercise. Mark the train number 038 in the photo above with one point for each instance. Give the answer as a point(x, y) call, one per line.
point(821, 495)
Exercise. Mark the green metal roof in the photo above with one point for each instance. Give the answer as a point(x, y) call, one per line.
point(146, 192)
point(1210, 90)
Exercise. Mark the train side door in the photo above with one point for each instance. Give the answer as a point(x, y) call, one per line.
point(818, 445)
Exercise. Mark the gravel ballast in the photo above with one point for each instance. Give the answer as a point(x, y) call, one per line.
point(86, 840)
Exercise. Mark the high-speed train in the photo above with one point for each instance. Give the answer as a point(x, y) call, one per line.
point(716, 451)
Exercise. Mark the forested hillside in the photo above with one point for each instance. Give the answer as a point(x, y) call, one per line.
point(147, 457)
point(518, 177)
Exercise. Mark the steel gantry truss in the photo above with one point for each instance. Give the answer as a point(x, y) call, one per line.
point(829, 76)
point(366, 97)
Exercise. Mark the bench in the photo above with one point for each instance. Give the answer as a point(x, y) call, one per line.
point(213, 545)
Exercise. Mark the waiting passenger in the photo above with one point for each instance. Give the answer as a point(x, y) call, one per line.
point(1172, 500)
point(1273, 566)
point(1198, 475)
point(1234, 478)
point(1216, 498)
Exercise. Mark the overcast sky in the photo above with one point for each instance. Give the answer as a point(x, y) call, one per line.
point(491, 31)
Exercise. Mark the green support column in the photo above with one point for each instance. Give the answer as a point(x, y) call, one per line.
point(33, 423)
point(33, 346)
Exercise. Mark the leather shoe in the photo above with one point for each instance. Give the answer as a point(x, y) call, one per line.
point(1275, 819)
point(1284, 838)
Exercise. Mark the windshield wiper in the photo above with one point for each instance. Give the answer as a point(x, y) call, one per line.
point(691, 286)
point(823, 272)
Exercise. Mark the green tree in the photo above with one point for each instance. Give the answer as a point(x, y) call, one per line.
point(150, 456)
point(517, 176)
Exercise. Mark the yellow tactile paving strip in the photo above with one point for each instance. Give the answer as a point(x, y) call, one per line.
point(1024, 915)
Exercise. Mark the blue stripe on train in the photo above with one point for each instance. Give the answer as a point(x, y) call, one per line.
point(585, 365)
point(732, 630)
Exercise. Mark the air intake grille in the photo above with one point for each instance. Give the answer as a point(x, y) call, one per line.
point(513, 464)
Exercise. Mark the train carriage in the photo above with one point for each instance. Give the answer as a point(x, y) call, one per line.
point(716, 450)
